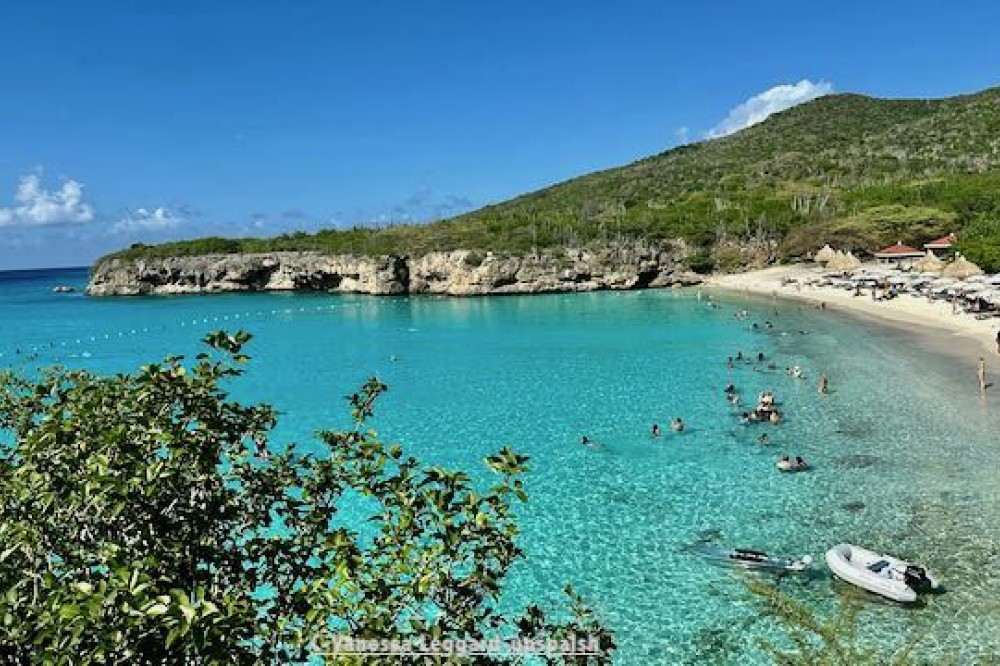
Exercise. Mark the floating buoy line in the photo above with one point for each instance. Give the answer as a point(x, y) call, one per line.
point(35, 351)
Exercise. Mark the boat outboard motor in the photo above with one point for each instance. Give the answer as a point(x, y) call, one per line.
point(916, 578)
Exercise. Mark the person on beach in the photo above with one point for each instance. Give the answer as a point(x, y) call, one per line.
point(998, 341)
point(656, 430)
point(823, 385)
point(981, 374)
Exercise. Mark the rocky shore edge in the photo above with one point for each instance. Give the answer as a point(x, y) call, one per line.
point(456, 273)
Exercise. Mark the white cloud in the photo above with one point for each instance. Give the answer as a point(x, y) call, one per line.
point(37, 207)
point(683, 134)
point(759, 107)
point(142, 219)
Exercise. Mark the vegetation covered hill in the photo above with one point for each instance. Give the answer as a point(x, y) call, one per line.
point(847, 169)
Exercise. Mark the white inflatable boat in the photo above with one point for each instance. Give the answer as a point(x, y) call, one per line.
point(882, 574)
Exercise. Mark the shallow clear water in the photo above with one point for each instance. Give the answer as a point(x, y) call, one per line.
point(905, 454)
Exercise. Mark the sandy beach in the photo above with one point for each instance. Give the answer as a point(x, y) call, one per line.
point(960, 335)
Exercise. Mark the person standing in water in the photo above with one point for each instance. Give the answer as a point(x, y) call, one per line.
point(981, 374)
point(823, 385)
point(656, 430)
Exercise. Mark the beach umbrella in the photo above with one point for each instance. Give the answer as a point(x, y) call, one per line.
point(838, 262)
point(994, 279)
point(928, 264)
point(853, 262)
point(824, 254)
point(961, 268)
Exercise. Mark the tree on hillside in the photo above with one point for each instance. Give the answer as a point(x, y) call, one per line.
point(145, 522)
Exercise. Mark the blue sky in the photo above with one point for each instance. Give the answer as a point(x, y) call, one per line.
point(141, 121)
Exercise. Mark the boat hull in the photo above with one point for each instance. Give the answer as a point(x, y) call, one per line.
point(855, 565)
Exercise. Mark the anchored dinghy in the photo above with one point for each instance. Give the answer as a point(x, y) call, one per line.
point(884, 575)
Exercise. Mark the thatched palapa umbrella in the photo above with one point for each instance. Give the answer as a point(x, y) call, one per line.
point(961, 268)
point(824, 254)
point(839, 262)
point(852, 261)
point(929, 264)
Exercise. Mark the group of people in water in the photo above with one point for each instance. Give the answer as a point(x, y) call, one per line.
point(677, 425)
point(766, 410)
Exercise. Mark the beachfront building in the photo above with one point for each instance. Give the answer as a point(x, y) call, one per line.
point(941, 246)
point(899, 255)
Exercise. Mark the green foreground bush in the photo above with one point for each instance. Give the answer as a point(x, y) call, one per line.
point(144, 522)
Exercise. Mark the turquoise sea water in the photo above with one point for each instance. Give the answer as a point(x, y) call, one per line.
point(906, 455)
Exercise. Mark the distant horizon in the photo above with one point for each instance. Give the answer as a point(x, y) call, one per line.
point(46, 268)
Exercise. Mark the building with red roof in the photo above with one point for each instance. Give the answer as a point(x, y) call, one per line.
point(941, 245)
point(899, 254)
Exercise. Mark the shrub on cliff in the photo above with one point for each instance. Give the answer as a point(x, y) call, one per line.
point(145, 522)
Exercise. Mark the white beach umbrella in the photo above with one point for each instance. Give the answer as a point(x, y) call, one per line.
point(994, 279)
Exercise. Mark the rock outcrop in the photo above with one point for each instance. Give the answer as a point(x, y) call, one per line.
point(458, 273)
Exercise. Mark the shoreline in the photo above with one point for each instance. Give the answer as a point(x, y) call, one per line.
point(959, 336)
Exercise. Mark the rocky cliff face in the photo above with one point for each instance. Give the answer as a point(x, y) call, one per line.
point(458, 273)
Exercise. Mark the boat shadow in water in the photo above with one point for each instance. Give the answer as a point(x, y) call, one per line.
point(857, 595)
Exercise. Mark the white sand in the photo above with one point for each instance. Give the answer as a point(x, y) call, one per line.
point(961, 330)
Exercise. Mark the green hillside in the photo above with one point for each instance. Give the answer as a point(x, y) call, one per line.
point(851, 170)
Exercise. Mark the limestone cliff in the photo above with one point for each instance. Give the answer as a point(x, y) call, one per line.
point(458, 273)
